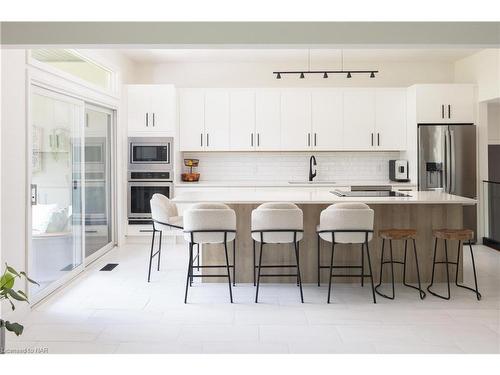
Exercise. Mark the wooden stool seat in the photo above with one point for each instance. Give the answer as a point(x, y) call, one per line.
point(398, 234)
point(454, 234)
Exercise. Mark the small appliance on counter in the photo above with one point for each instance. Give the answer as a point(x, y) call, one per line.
point(190, 176)
point(398, 170)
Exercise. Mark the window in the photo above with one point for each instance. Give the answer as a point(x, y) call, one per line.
point(72, 63)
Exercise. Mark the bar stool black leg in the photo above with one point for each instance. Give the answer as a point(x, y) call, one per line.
point(297, 256)
point(234, 262)
point(151, 256)
point(258, 273)
point(227, 269)
point(381, 263)
point(433, 266)
point(296, 245)
point(331, 271)
point(447, 266)
point(319, 259)
point(478, 295)
point(446, 262)
point(422, 293)
point(362, 267)
point(189, 271)
point(370, 268)
point(254, 265)
point(392, 269)
point(198, 257)
point(159, 250)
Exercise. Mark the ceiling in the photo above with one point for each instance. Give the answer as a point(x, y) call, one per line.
point(295, 55)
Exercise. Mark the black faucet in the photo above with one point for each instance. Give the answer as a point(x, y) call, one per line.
point(312, 161)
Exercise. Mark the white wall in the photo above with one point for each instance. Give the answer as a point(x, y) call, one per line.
point(494, 123)
point(260, 75)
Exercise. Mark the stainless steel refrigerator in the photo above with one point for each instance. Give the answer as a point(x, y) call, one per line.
point(447, 162)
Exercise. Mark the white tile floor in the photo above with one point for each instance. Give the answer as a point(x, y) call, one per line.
point(119, 312)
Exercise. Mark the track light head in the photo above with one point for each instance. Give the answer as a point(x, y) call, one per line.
point(349, 75)
point(372, 75)
point(301, 75)
point(278, 76)
point(325, 75)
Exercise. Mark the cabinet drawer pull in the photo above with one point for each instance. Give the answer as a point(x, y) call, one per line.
point(258, 139)
point(378, 139)
point(309, 139)
point(201, 139)
point(442, 111)
point(251, 139)
point(372, 139)
point(153, 119)
point(208, 141)
point(315, 139)
point(449, 111)
point(147, 119)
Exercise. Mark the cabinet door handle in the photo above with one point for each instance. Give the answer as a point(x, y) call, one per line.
point(153, 119)
point(315, 139)
point(201, 139)
point(208, 141)
point(378, 139)
point(258, 139)
point(308, 139)
point(449, 111)
point(147, 119)
point(372, 139)
point(442, 111)
point(251, 139)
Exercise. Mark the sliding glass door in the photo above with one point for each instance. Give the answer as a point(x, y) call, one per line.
point(98, 181)
point(56, 193)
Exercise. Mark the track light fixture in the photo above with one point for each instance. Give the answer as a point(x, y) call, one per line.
point(348, 73)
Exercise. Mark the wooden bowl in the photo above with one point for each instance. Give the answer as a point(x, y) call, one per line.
point(190, 177)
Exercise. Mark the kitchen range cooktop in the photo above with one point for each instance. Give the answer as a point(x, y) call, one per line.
point(371, 193)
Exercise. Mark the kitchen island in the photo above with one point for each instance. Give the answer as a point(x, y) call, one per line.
point(423, 211)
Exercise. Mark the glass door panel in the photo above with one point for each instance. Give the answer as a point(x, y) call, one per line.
point(56, 194)
point(98, 178)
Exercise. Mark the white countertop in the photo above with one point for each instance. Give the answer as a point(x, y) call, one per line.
point(317, 183)
point(256, 196)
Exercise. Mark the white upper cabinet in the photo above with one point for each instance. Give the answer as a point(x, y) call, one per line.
point(192, 119)
point(327, 119)
point(296, 120)
point(217, 120)
point(151, 109)
point(445, 103)
point(267, 120)
point(359, 119)
point(242, 120)
point(390, 119)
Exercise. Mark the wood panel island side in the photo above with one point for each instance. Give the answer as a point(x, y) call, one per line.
point(423, 211)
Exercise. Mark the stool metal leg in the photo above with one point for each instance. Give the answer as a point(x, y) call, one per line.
point(159, 249)
point(227, 268)
point(254, 266)
point(447, 266)
point(258, 274)
point(331, 271)
point(198, 257)
point(392, 269)
point(370, 268)
point(446, 263)
point(189, 271)
point(478, 295)
point(362, 266)
point(382, 263)
point(319, 259)
point(296, 245)
point(421, 292)
point(234, 262)
point(151, 255)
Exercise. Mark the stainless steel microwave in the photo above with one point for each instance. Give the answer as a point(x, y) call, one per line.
point(150, 153)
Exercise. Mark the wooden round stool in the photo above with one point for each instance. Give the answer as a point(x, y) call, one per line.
point(460, 235)
point(405, 235)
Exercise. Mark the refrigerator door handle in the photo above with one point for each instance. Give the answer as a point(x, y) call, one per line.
point(446, 162)
point(452, 162)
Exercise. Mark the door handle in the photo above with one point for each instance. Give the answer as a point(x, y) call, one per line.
point(315, 139)
point(442, 110)
point(201, 139)
point(452, 162)
point(34, 194)
point(147, 119)
point(309, 139)
point(372, 139)
point(447, 166)
point(378, 139)
point(208, 141)
point(258, 139)
point(449, 111)
point(251, 139)
point(153, 119)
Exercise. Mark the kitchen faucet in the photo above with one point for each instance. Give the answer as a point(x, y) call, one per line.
point(312, 161)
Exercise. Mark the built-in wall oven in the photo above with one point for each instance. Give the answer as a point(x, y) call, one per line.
point(150, 171)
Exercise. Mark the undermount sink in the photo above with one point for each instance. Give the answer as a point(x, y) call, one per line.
point(318, 182)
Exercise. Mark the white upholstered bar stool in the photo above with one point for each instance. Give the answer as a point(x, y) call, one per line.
point(347, 223)
point(213, 223)
point(165, 218)
point(274, 223)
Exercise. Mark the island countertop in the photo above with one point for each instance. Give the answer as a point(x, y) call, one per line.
point(261, 195)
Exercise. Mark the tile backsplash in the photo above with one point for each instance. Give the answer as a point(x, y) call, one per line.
point(287, 166)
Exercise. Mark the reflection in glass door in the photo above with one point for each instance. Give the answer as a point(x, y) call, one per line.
point(98, 180)
point(56, 194)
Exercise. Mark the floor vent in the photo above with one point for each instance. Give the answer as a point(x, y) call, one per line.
point(109, 267)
